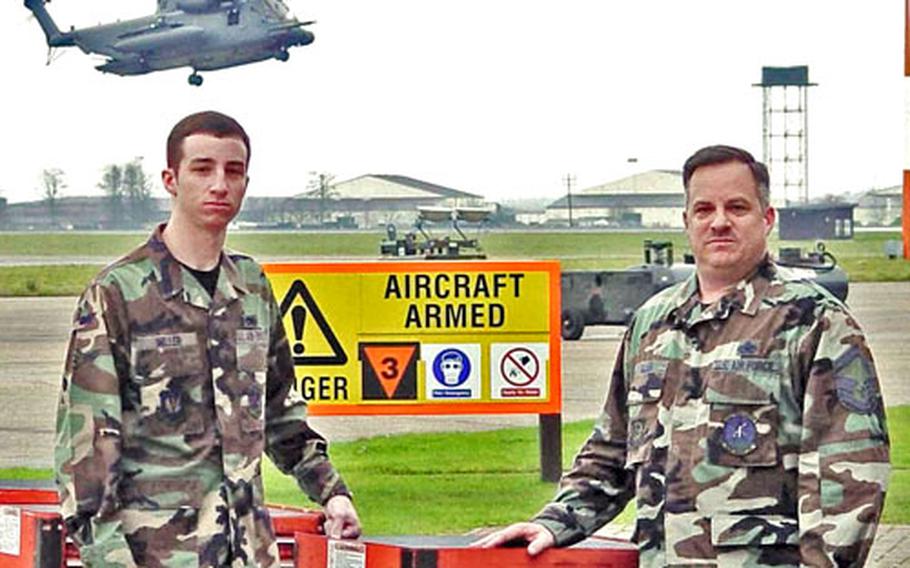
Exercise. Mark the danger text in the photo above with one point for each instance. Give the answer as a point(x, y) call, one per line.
point(323, 388)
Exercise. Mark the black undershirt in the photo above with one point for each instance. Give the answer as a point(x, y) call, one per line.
point(207, 278)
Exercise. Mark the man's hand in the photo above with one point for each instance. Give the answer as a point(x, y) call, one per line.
point(340, 518)
point(538, 537)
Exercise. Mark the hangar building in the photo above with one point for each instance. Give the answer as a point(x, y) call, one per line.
point(880, 207)
point(650, 199)
point(376, 200)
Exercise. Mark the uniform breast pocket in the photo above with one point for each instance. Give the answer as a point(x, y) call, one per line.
point(168, 369)
point(743, 419)
point(252, 366)
point(643, 402)
point(252, 350)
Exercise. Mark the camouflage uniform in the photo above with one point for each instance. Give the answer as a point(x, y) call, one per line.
point(751, 432)
point(169, 398)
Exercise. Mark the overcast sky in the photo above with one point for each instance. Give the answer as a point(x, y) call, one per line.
point(496, 97)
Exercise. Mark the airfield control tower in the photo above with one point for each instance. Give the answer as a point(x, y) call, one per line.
point(785, 132)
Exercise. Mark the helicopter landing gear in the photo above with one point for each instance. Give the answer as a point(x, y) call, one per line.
point(283, 55)
point(195, 79)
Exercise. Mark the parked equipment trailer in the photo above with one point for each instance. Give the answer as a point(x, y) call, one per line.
point(610, 297)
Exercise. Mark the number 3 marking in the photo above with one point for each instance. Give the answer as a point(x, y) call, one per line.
point(391, 368)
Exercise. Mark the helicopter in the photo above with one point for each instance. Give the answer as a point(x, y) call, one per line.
point(202, 34)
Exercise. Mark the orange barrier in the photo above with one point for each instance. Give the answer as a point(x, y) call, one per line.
point(31, 529)
point(289, 521)
point(454, 552)
point(32, 534)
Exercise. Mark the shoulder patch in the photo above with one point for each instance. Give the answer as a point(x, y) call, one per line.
point(855, 382)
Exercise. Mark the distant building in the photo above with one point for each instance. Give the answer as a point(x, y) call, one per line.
point(377, 200)
point(531, 217)
point(650, 199)
point(526, 210)
point(880, 207)
point(79, 213)
point(815, 221)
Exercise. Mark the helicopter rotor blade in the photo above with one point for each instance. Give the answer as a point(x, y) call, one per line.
point(53, 54)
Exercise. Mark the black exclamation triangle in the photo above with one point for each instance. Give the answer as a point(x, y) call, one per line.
point(310, 311)
point(298, 316)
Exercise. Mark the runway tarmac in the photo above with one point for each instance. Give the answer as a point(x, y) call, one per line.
point(34, 331)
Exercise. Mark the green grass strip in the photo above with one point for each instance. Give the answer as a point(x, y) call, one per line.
point(863, 257)
point(45, 280)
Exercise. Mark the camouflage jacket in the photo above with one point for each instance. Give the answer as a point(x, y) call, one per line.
point(751, 432)
point(169, 398)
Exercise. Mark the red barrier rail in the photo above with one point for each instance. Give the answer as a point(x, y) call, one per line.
point(32, 534)
point(454, 552)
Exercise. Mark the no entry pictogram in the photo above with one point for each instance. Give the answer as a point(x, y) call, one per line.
point(519, 366)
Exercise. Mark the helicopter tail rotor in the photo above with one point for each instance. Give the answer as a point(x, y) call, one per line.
point(53, 35)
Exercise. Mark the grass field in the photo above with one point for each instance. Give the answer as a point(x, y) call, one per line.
point(863, 257)
point(454, 482)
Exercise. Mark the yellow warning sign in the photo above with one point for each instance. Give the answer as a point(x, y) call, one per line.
point(423, 337)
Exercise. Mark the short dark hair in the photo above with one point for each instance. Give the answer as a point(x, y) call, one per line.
point(205, 122)
point(720, 154)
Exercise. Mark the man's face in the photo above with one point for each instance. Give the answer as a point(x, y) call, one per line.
point(725, 222)
point(210, 181)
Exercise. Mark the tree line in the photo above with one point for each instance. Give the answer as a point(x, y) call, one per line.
point(127, 189)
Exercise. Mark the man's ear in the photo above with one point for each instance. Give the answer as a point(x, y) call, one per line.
point(685, 219)
point(770, 216)
point(169, 180)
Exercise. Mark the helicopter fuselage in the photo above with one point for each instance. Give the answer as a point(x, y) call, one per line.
point(232, 33)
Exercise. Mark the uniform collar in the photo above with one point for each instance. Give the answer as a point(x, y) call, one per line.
point(175, 280)
point(746, 296)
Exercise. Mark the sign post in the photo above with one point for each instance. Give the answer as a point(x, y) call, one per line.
point(550, 447)
point(427, 337)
